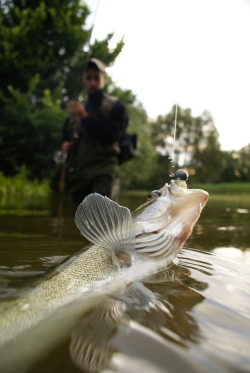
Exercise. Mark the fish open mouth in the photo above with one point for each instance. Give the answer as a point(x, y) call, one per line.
point(166, 221)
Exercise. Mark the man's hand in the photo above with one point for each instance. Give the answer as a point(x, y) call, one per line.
point(75, 107)
point(66, 146)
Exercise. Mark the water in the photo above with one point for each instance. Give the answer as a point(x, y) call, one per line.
point(194, 317)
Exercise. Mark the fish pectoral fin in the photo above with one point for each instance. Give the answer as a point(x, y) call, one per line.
point(156, 245)
point(104, 223)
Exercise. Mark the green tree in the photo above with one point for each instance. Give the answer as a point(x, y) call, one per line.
point(41, 52)
point(236, 165)
point(207, 158)
point(134, 173)
point(197, 146)
point(29, 132)
point(244, 163)
point(39, 37)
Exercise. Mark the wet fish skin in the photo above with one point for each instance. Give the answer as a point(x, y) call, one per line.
point(64, 284)
point(94, 268)
point(91, 267)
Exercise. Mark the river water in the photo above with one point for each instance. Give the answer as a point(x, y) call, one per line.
point(194, 318)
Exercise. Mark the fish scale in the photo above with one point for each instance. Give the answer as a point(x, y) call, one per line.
point(61, 286)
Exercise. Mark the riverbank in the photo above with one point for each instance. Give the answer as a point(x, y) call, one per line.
point(21, 186)
point(214, 189)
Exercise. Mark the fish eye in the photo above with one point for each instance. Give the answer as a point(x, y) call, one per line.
point(154, 194)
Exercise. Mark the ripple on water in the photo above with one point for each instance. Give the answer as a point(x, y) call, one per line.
point(224, 315)
point(194, 317)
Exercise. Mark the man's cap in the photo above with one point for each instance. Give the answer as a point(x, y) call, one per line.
point(94, 63)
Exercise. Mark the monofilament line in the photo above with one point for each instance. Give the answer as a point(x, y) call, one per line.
point(175, 122)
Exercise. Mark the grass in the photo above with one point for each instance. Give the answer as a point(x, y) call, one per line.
point(20, 186)
point(213, 189)
point(223, 188)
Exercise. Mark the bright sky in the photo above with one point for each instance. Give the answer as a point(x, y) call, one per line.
point(192, 52)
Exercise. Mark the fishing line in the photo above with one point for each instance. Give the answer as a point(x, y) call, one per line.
point(172, 162)
point(88, 45)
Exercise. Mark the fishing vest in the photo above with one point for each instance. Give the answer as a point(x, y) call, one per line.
point(107, 104)
point(126, 146)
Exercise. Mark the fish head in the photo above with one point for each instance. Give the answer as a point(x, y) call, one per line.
point(167, 219)
point(158, 228)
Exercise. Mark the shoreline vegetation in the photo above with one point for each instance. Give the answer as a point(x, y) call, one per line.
point(33, 107)
point(232, 188)
point(20, 186)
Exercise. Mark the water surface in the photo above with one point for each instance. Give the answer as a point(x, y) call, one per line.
point(194, 316)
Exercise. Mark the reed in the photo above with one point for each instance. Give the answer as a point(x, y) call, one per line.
point(21, 186)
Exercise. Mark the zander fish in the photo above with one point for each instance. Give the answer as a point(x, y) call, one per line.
point(124, 248)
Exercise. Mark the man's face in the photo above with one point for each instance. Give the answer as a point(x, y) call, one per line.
point(94, 80)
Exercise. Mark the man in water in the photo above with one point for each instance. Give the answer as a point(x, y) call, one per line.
point(91, 139)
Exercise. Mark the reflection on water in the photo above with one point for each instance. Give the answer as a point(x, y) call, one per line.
point(92, 342)
point(89, 345)
point(194, 317)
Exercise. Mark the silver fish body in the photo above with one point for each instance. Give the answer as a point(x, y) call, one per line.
point(124, 249)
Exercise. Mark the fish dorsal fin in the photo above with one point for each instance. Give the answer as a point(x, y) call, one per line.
point(105, 223)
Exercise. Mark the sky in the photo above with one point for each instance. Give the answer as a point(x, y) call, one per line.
point(195, 53)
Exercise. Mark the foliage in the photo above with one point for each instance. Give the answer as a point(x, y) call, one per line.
point(39, 37)
point(20, 186)
point(236, 165)
point(41, 52)
point(29, 132)
point(135, 172)
point(207, 155)
point(244, 163)
point(160, 172)
point(197, 147)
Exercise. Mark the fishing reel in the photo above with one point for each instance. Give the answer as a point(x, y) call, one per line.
point(59, 157)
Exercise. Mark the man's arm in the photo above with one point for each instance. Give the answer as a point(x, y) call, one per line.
point(76, 108)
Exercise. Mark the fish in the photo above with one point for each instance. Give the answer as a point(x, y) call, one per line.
point(123, 247)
